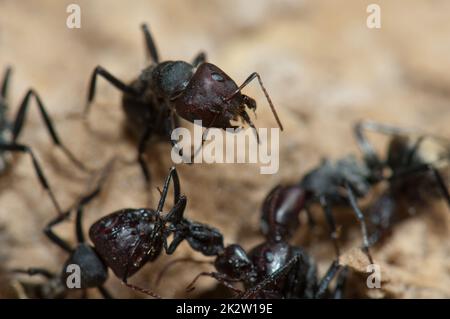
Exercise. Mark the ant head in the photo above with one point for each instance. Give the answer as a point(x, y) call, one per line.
point(234, 262)
point(279, 219)
point(127, 239)
point(205, 239)
point(172, 77)
point(92, 270)
point(211, 96)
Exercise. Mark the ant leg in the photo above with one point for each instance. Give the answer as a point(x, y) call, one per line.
point(331, 223)
point(175, 215)
point(249, 121)
point(199, 59)
point(272, 279)
point(339, 290)
point(143, 290)
point(221, 278)
point(48, 231)
point(370, 156)
point(5, 82)
point(104, 292)
point(362, 222)
point(86, 199)
point(176, 261)
point(176, 184)
point(423, 168)
point(141, 150)
point(325, 282)
point(99, 71)
point(151, 47)
point(20, 119)
point(34, 271)
point(246, 82)
point(37, 167)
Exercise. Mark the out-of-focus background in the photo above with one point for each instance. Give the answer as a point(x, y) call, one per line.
point(324, 68)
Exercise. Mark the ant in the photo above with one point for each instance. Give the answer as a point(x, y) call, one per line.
point(10, 132)
point(408, 171)
point(274, 268)
point(166, 91)
point(340, 182)
point(129, 238)
point(346, 180)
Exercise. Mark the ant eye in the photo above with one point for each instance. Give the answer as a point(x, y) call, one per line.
point(217, 77)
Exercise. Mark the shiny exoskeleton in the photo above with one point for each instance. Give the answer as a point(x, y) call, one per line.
point(165, 91)
point(129, 238)
point(93, 271)
point(275, 268)
point(126, 240)
point(10, 132)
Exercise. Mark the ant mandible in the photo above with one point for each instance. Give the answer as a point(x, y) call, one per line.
point(165, 91)
point(10, 132)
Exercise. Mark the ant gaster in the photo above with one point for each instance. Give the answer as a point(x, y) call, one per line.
point(129, 238)
point(10, 132)
point(165, 91)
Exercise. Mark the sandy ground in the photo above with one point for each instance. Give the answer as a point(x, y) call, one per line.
point(324, 70)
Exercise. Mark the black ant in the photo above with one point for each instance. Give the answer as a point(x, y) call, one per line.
point(347, 179)
point(10, 132)
point(129, 238)
point(93, 271)
point(340, 182)
point(165, 91)
point(406, 168)
point(274, 268)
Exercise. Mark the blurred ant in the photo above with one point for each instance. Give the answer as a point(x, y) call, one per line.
point(408, 170)
point(340, 182)
point(346, 180)
point(93, 271)
point(165, 91)
point(10, 132)
point(274, 268)
point(129, 238)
